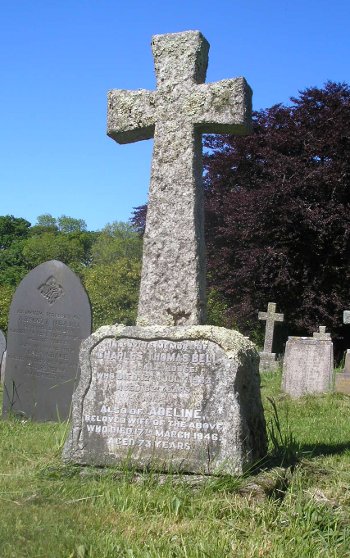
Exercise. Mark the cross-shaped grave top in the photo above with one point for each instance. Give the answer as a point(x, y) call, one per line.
point(271, 317)
point(321, 334)
point(172, 288)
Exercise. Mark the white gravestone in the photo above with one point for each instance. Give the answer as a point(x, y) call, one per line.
point(308, 365)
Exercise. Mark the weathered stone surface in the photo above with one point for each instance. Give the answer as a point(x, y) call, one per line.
point(321, 334)
point(346, 317)
point(183, 107)
point(347, 362)
point(271, 317)
point(49, 317)
point(342, 381)
point(173, 398)
point(307, 366)
point(267, 357)
point(268, 362)
point(2, 346)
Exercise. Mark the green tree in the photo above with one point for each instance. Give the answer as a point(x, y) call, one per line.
point(50, 246)
point(6, 294)
point(116, 240)
point(113, 290)
point(70, 224)
point(12, 229)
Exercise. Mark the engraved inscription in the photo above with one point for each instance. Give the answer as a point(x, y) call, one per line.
point(49, 342)
point(51, 290)
point(154, 395)
point(308, 366)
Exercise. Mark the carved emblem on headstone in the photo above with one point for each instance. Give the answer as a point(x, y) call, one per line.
point(51, 290)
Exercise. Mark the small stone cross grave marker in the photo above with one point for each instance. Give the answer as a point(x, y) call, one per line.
point(271, 317)
point(321, 334)
point(267, 357)
point(172, 288)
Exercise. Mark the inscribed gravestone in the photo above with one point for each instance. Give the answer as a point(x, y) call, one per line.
point(49, 317)
point(307, 366)
point(183, 397)
point(179, 398)
point(267, 357)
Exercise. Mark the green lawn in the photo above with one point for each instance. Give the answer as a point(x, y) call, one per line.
point(298, 506)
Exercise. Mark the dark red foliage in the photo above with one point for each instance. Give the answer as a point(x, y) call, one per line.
point(138, 219)
point(278, 213)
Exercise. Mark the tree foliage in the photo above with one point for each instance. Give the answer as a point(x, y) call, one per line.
point(113, 290)
point(116, 240)
point(277, 212)
point(108, 261)
point(278, 216)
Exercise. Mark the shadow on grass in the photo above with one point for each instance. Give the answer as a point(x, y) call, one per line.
point(316, 450)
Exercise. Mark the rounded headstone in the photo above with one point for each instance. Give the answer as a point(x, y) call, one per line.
point(50, 315)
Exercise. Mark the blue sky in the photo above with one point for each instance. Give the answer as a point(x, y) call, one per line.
point(58, 59)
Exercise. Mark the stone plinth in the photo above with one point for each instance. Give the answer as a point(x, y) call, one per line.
point(307, 366)
point(171, 398)
point(268, 362)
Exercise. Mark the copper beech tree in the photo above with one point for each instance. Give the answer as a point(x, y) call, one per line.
point(278, 213)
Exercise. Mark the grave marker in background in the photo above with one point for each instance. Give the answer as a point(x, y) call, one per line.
point(49, 317)
point(342, 380)
point(267, 357)
point(308, 365)
point(169, 393)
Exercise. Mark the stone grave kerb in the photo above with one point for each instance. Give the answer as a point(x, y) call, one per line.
point(271, 317)
point(172, 290)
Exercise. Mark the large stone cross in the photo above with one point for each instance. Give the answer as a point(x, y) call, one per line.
point(271, 317)
point(172, 288)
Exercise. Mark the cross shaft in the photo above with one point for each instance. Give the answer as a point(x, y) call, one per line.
point(271, 317)
point(172, 288)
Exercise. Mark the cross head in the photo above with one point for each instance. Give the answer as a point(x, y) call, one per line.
point(271, 317)
point(183, 107)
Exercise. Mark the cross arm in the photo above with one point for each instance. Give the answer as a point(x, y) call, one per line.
point(130, 115)
point(223, 107)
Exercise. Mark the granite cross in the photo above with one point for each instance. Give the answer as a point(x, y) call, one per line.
point(172, 290)
point(271, 317)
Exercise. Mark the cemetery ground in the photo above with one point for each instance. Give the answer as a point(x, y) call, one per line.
point(297, 505)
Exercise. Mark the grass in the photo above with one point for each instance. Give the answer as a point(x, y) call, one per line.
point(298, 506)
